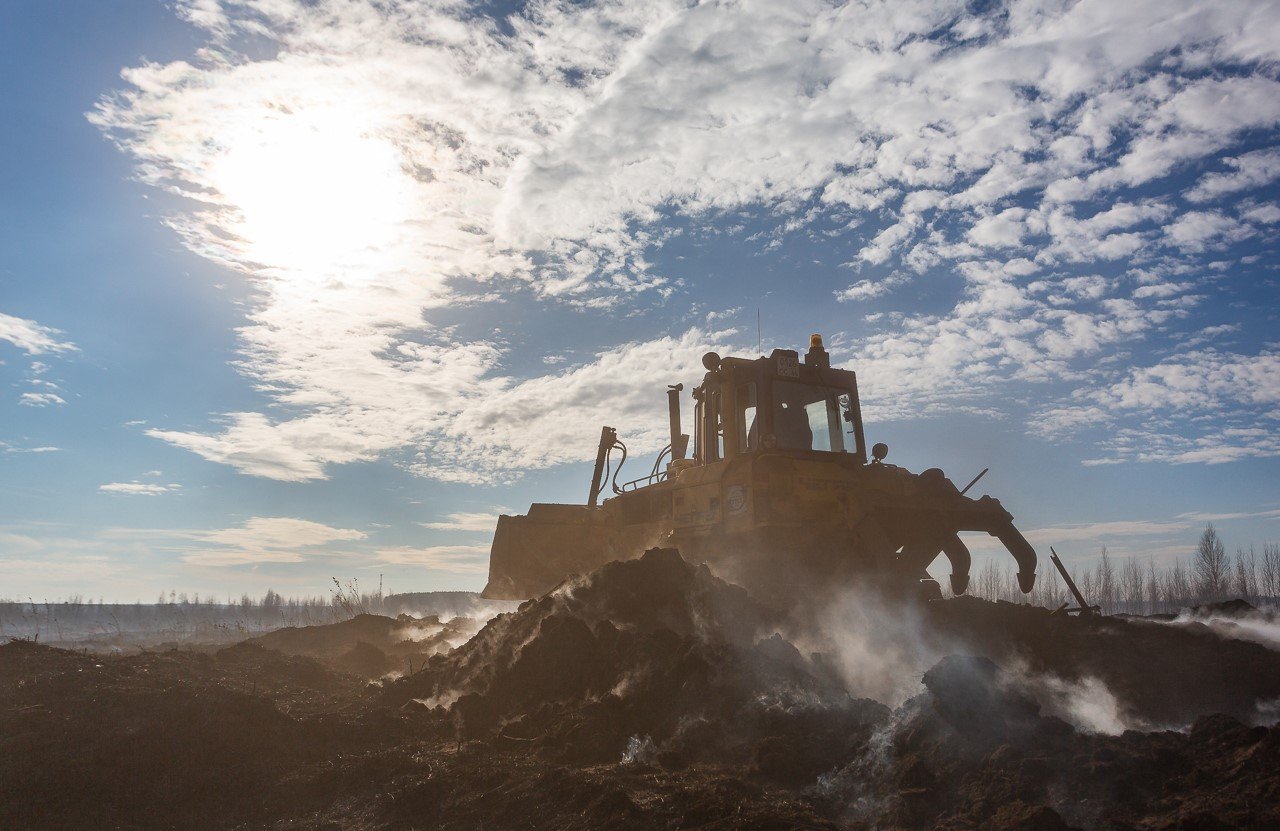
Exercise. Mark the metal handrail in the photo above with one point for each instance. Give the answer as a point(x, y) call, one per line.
point(651, 479)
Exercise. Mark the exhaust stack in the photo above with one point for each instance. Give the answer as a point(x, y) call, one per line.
point(679, 441)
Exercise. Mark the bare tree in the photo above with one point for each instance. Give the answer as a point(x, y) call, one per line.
point(1178, 587)
point(1106, 582)
point(1270, 577)
point(1131, 585)
point(1211, 565)
point(1153, 587)
point(1052, 588)
point(1246, 576)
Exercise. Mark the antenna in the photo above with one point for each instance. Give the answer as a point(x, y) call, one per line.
point(759, 340)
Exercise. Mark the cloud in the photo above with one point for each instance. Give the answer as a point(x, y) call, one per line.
point(454, 559)
point(54, 565)
point(1197, 230)
point(41, 558)
point(555, 419)
point(1003, 230)
point(31, 337)
point(1249, 171)
point(542, 159)
point(1202, 380)
point(40, 399)
point(1103, 531)
point(870, 289)
point(137, 488)
point(477, 521)
point(268, 540)
point(1215, 407)
point(1201, 516)
point(494, 429)
point(9, 448)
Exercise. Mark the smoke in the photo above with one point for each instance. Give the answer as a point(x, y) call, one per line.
point(882, 647)
point(1260, 627)
point(446, 635)
point(1087, 704)
point(1268, 712)
point(879, 647)
point(640, 751)
point(445, 699)
point(863, 786)
point(446, 605)
point(422, 630)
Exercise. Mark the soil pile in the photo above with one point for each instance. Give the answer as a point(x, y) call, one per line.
point(371, 646)
point(1237, 607)
point(643, 654)
point(975, 751)
point(650, 694)
point(1160, 675)
point(156, 740)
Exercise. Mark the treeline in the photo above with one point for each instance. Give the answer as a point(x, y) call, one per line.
point(1137, 586)
point(178, 616)
point(345, 597)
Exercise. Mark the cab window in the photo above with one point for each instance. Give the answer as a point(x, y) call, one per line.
point(810, 416)
point(749, 432)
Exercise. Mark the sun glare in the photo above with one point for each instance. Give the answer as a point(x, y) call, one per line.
point(314, 194)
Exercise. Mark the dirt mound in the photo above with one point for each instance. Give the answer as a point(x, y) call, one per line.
point(156, 740)
point(1225, 608)
point(370, 646)
point(1160, 675)
point(976, 751)
point(649, 651)
point(652, 695)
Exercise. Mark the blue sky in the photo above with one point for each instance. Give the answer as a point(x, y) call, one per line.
point(292, 291)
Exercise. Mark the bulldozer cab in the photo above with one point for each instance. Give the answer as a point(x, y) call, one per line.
point(779, 402)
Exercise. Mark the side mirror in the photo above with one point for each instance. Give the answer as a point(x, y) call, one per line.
point(879, 450)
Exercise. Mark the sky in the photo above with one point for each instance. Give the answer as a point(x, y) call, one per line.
point(294, 291)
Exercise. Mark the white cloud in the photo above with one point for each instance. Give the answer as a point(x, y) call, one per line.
point(1249, 171)
point(554, 419)
point(477, 521)
point(1103, 531)
point(31, 337)
point(268, 540)
point(1267, 213)
point(455, 559)
point(1214, 407)
point(1003, 230)
point(1203, 380)
point(478, 164)
point(1009, 328)
point(870, 289)
point(1207, 516)
point(493, 428)
point(137, 488)
point(40, 399)
point(1197, 230)
point(9, 448)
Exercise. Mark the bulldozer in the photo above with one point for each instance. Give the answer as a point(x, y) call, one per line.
point(778, 495)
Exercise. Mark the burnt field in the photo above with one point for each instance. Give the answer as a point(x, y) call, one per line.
point(653, 695)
